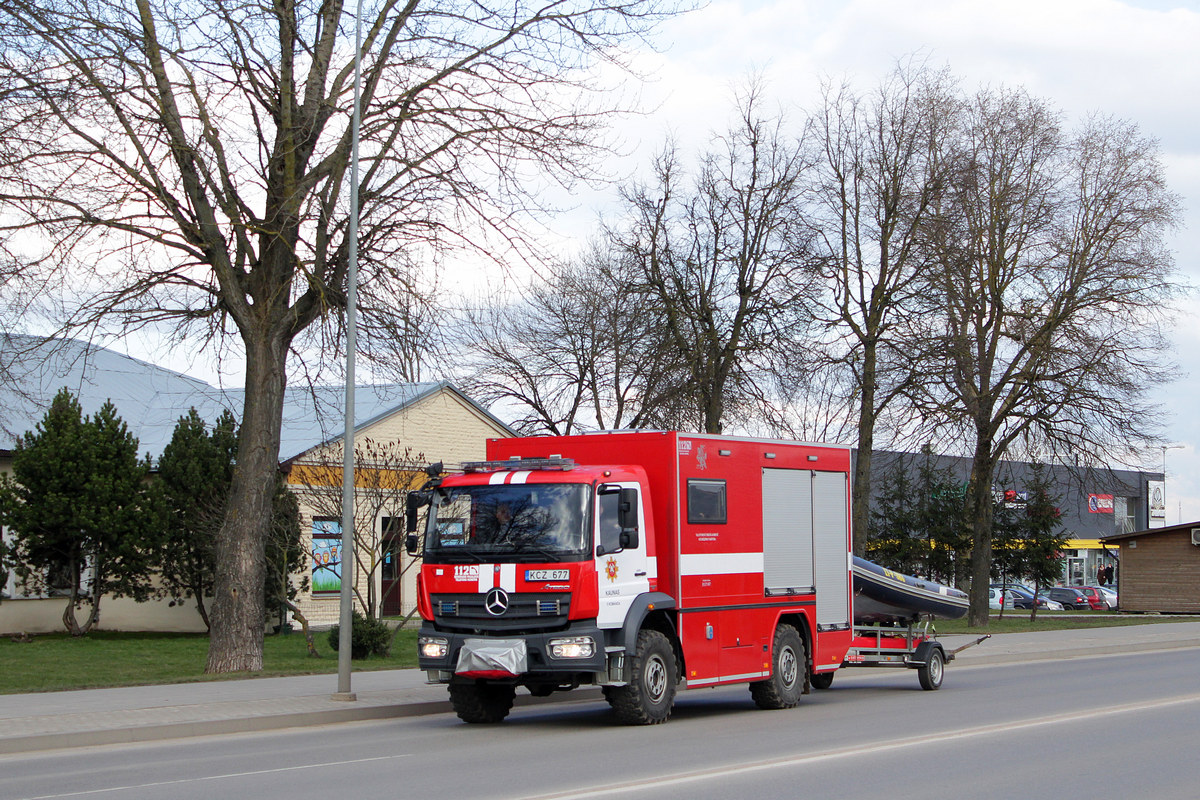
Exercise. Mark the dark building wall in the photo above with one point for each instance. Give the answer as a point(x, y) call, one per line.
point(1071, 486)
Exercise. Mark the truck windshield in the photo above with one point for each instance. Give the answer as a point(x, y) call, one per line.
point(529, 522)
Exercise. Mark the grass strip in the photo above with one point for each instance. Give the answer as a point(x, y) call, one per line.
point(57, 662)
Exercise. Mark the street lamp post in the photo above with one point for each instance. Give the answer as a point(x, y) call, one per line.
point(346, 600)
point(1165, 448)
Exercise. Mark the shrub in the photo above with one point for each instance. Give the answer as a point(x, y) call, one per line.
point(368, 636)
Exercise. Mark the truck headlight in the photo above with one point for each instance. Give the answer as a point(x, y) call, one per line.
point(572, 647)
point(432, 646)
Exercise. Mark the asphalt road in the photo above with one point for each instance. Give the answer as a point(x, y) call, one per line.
point(1106, 727)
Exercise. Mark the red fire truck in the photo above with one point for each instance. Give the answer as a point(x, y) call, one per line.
point(638, 561)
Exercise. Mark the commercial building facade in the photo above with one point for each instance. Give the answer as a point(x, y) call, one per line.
point(1094, 502)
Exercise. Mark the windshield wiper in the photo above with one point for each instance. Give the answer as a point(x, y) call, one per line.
point(452, 555)
point(547, 555)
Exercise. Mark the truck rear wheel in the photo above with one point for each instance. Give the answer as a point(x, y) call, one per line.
point(648, 697)
point(789, 670)
point(482, 702)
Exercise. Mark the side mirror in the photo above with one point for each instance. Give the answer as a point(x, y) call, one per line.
point(412, 544)
point(416, 501)
point(627, 517)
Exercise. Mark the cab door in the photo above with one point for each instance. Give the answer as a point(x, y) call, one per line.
point(623, 570)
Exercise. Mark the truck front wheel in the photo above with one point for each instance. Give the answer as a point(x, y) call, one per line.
point(482, 702)
point(648, 697)
point(789, 669)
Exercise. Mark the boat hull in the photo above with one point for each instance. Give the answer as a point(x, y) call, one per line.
point(883, 595)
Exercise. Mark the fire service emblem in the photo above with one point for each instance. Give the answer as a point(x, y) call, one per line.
point(610, 569)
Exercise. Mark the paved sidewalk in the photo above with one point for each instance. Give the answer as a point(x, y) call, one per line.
point(52, 720)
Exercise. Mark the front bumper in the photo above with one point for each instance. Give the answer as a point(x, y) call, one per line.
point(540, 664)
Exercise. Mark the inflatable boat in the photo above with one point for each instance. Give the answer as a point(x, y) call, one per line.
point(883, 595)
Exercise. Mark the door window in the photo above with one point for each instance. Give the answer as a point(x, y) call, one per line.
point(609, 528)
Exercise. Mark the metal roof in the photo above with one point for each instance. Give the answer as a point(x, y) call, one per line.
point(151, 399)
point(1176, 528)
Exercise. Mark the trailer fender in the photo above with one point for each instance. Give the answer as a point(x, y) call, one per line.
point(920, 656)
point(642, 606)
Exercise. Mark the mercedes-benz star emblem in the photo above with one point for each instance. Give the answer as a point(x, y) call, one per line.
point(496, 602)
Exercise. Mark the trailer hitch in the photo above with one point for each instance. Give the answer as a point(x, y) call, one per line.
point(958, 650)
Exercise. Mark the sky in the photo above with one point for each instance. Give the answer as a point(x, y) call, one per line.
point(1138, 61)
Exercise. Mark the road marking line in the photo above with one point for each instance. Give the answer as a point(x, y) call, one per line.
point(217, 777)
point(683, 778)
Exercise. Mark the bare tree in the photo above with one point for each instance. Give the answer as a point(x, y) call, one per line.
point(579, 350)
point(729, 258)
point(879, 177)
point(188, 163)
point(384, 474)
point(1053, 280)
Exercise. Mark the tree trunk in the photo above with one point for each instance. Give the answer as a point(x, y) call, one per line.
point(203, 611)
point(860, 503)
point(980, 499)
point(303, 620)
point(94, 614)
point(238, 613)
point(68, 617)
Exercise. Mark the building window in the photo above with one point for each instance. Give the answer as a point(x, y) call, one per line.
point(1125, 513)
point(8, 578)
point(326, 556)
point(393, 543)
point(57, 579)
point(706, 502)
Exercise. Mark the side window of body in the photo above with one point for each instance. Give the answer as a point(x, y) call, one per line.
point(706, 502)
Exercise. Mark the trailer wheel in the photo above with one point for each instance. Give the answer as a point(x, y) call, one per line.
point(821, 680)
point(648, 697)
point(482, 702)
point(789, 672)
point(932, 671)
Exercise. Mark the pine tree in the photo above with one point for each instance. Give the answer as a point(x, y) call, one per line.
point(194, 475)
point(1045, 536)
point(918, 525)
point(895, 540)
point(78, 504)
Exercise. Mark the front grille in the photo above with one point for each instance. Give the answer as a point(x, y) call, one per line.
point(525, 611)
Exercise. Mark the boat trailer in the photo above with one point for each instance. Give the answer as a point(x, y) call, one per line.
point(914, 647)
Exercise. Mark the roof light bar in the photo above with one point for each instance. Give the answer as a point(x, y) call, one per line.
point(515, 464)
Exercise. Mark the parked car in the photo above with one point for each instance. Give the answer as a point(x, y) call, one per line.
point(1071, 597)
point(998, 596)
point(1103, 595)
point(1020, 587)
point(1022, 597)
